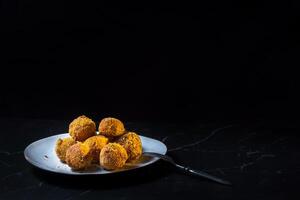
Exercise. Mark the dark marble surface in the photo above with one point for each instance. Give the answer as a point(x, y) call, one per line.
point(261, 158)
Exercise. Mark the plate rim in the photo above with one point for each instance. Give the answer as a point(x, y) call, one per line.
point(41, 166)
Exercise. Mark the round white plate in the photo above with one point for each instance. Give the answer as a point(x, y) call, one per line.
point(42, 155)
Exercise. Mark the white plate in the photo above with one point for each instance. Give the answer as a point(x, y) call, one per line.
point(42, 155)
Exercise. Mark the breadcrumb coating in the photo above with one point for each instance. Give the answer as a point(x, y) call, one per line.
point(82, 128)
point(111, 127)
point(96, 143)
point(113, 156)
point(78, 156)
point(133, 145)
point(62, 146)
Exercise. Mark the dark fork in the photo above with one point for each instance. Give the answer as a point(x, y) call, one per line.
point(187, 169)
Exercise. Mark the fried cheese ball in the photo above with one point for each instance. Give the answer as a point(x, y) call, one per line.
point(113, 156)
point(61, 147)
point(96, 143)
point(78, 156)
point(111, 127)
point(82, 128)
point(132, 144)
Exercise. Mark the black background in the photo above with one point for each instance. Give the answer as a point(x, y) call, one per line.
point(228, 70)
point(173, 62)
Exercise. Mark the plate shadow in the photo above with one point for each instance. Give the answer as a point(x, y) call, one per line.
point(156, 171)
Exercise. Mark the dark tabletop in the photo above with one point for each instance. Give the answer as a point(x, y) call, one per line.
point(261, 158)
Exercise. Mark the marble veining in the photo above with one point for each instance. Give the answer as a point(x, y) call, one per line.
point(41, 184)
point(23, 188)
point(80, 194)
point(4, 163)
point(280, 139)
point(261, 157)
point(247, 137)
point(260, 163)
point(221, 171)
point(244, 165)
point(10, 153)
point(85, 192)
point(6, 154)
point(250, 153)
point(214, 132)
point(265, 156)
point(165, 139)
point(30, 187)
point(18, 173)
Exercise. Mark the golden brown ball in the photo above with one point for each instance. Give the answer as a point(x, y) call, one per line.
point(113, 156)
point(96, 143)
point(82, 128)
point(61, 147)
point(111, 127)
point(133, 145)
point(78, 156)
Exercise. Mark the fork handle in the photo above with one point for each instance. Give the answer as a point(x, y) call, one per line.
point(202, 174)
point(187, 169)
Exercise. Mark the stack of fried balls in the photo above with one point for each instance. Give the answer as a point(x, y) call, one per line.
point(111, 147)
